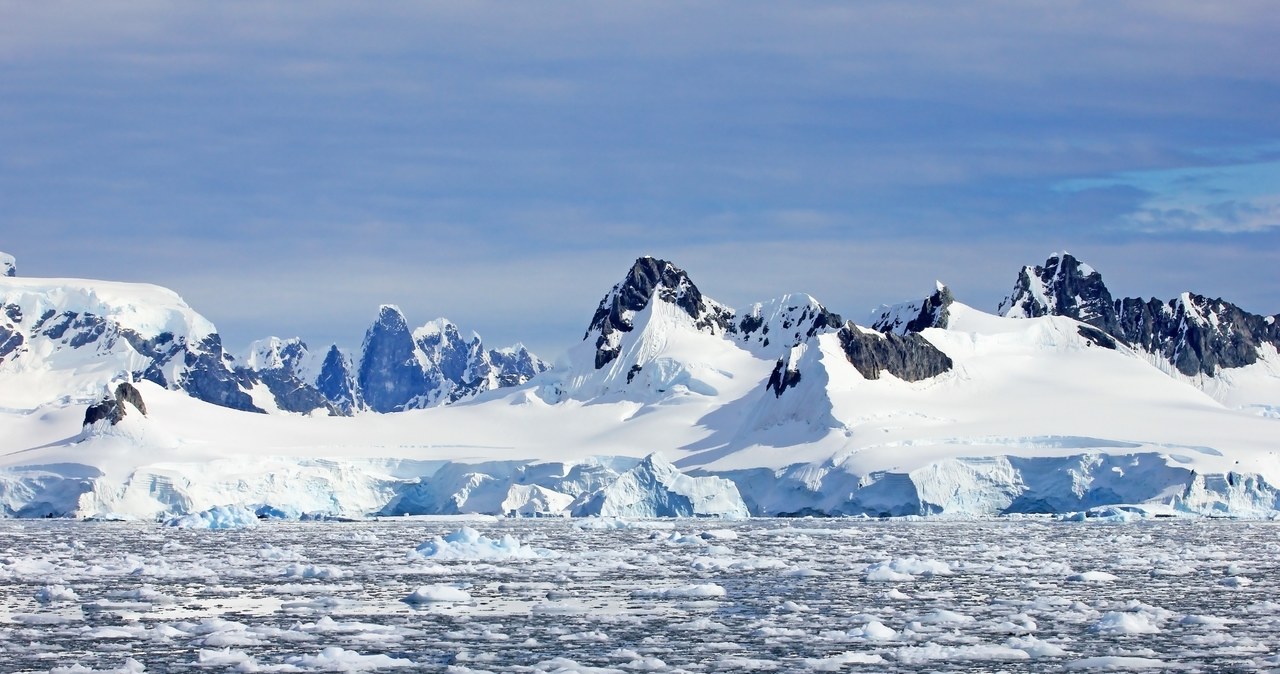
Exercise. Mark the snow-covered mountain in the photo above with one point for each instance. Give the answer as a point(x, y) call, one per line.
point(71, 339)
point(1194, 334)
point(674, 404)
point(401, 369)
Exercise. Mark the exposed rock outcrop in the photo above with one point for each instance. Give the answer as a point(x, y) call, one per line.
point(908, 357)
point(933, 311)
point(114, 407)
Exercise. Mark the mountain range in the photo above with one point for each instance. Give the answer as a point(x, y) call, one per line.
point(119, 399)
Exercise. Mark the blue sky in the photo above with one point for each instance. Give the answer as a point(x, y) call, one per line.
point(287, 167)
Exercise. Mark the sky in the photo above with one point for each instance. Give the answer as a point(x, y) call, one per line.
point(287, 167)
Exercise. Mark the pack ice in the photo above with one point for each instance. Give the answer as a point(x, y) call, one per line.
point(118, 400)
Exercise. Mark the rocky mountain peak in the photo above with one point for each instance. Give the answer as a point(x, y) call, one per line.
point(651, 278)
point(1062, 286)
point(1195, 334)
point(907, 317)
point(337, 383)
point(769, 328)
point(389, 374)
point(275, 353)
point(8, 265)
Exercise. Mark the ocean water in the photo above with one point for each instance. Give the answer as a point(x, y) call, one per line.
point(550, 595)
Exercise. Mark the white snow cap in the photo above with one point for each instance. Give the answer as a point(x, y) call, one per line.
point(8, 265)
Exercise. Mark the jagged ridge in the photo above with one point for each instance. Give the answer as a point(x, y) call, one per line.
point(1195, 334)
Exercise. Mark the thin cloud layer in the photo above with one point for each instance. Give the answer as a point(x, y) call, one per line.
point(340, 156)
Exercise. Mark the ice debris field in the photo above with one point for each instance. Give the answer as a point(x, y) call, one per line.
point(228, 594)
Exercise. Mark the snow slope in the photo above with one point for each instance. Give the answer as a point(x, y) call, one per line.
point(68, 339)
point(1034, 415)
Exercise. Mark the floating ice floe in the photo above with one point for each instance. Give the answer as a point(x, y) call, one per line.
point(906, 568)
point(468, 544)
point(217, 517)
point(429, 594)
point(54, 594)
point(338, 659)
point(699, 591)
point(1092, 577)
point(1126, 622)
point(130, 666)
point(1116, 662)
point(299, 570)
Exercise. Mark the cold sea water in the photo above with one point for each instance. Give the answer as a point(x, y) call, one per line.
point(552, 595)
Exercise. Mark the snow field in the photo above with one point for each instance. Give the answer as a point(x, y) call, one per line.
point(751, 595)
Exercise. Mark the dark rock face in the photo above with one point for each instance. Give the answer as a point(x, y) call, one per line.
point(389, 375)
point(113, 408)
point(791, 325)
point(398, 371)
point(1197, 335)
point(1062, 287)
point(337, 384)
point(1096, 337)
point(516, 366)
point(447, 352)
point(209, 376)
point(8, 265)
point(205, 370)
point(287, 388)
point(908, 357)
point(10, 340)
point(933, 311)
point(650, 277)
point(782, 378)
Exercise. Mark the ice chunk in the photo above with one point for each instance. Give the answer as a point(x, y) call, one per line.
point(906, 568)
point(469, 544)
point(298, 570)
point(437, 593)
point(338, 659)
point(1125, 622)
point(1091, 577)
point(217, 517)
point(700, 591)
point(54, 594)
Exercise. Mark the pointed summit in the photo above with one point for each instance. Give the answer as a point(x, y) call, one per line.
point(8, 265)
point(389, 375)
point(650, 279)
point(336, 382)
point(933, 311)
point(772, 328)
point(1063, 286)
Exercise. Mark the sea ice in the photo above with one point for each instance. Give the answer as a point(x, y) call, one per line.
point(468, 544)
